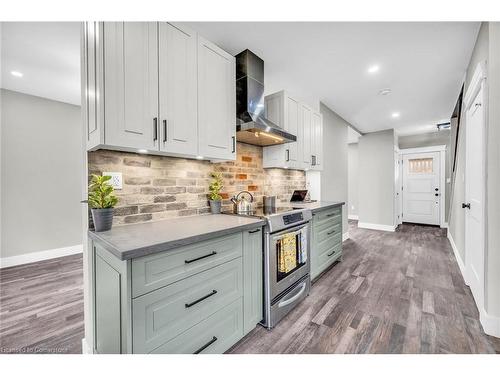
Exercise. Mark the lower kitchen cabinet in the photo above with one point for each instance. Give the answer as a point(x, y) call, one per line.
point(189, 308)
point(326, 245)
point(252, 278)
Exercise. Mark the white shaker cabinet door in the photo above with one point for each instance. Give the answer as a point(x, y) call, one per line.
point(131, 84)
point(305, 126)
point(216, 102)
point(317, 141)
point(178, 89)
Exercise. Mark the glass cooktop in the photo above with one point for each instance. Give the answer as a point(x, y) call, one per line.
point(266, 211)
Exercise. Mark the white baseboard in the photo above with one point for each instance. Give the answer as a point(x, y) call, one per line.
point(490, 323)
point(85, 347)
point(40, 255)
point(345, 236)
point(353, 217)
point(445, 225)
point(387, 228)
point(460, 262)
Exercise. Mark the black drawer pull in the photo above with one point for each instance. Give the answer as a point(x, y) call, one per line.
point(214, 339)
point(254, 231)
point(201, 299)
point(332, 232)
point(330, 215)
point(329, 255)
point(200, 258)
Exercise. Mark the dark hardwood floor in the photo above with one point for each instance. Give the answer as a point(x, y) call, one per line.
point(41, 307)
point(396, 292)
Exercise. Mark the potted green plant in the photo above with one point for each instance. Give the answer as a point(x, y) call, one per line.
point(215, 199)
point(102, 200)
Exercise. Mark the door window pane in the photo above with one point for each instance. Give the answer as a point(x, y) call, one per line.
point(422, 165)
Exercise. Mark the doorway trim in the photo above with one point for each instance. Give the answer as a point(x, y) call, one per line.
point(442, 178)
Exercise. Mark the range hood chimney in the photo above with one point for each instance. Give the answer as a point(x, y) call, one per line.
point(252, 126)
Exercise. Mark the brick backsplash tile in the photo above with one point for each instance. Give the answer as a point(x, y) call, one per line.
point(160, 187)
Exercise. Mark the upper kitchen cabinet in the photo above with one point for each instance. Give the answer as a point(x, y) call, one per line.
point(157, 87)
point(178, 89)
point(131, 84)
point(216, 102)
point(301, 120)
point(305, 130)
point(283, 110)
point(317, 141)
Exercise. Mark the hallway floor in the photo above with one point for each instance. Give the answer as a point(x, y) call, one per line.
point(396, 292)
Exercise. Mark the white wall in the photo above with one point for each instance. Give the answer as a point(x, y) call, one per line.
point(352, 180)
point(334, 174)
point(41, 174)
point(376, 179)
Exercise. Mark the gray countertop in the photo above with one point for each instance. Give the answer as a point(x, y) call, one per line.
point(318, 205)
point(136, 240)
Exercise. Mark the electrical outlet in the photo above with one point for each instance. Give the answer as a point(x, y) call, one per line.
point(116, 179)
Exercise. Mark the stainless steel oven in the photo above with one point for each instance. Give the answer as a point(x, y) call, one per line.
point(287, 259)
point(284, 288)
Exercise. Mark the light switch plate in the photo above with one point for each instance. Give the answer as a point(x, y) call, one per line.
point(116, 179)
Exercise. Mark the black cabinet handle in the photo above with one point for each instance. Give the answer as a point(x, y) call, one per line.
point(329, 255)
point(332, 232)
point(330, 215)
point(164, 130)
point(214, 339)
point(200, 258)
point(466, 205)
point(155, 129)
point(436, 189)
point(254, 231)
point(200, 299)
point(234, 144)
point(287, 155)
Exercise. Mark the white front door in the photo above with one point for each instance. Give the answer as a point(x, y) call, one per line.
point(421, 188)
point(474, 199)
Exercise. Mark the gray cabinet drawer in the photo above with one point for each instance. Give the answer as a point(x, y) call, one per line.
point(328, 235)
point(214, 335)
point(163, 314)
point(327, 257)
point(155, 271)
point(334, 215)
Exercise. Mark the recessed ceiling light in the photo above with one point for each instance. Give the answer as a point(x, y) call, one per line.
point(373, 69)
point(141, 151)
point(15, 73)
point(199, 157)
point(395, 115)
point(384, 92)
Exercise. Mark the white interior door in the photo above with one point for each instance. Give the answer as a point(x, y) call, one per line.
point(421, 188)
point(474, 187)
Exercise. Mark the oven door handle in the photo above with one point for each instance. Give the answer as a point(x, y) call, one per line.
point(294, 298)
point(297, 229)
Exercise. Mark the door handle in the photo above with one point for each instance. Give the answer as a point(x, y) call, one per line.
point(287, 155)
point(155, 129)
point(213, 292)
point(294, 298)
point(164, 130)
point(234, 144)
point(214, 339)
point(466, 205)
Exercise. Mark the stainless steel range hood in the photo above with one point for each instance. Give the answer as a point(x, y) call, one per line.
point(252, 126)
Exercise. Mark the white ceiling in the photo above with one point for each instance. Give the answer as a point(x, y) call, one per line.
point(48, 56)
point(423, 64)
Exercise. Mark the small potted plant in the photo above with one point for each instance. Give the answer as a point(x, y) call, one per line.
point(214, 188)
point(102, 200)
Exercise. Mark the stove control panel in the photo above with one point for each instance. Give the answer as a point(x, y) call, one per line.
point(293, 218)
